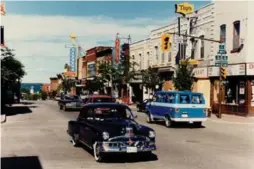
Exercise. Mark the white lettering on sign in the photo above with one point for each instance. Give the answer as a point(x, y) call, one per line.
point(250, 69)
point(236, 70)
point(200, 72)
point(213, 71)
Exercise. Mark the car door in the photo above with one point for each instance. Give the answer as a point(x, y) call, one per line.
point(87, 129)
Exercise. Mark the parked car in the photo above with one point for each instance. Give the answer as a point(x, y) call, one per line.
point(110, 128)
point(70, 102)
point(141, 106)
point(95, 98)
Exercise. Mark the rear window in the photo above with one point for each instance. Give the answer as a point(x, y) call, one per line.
point(196, 99)
point(184, 99)
point(99, 100)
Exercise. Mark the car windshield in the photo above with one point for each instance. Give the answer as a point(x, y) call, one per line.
point(99, 100)
point(110, 112)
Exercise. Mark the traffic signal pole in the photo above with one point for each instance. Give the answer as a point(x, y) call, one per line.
point(220, 89)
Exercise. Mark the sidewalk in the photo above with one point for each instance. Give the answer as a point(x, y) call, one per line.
point(233, 119)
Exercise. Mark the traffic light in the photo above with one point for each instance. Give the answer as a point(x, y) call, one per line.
point(223, 73)
point(165, 43)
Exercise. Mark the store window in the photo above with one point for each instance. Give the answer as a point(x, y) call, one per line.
point(235, 91)
point(236, 34)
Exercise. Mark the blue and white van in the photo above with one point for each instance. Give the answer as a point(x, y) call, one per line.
point(177, 106)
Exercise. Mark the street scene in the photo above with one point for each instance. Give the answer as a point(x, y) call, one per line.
point(41, 133)
point(127, 85)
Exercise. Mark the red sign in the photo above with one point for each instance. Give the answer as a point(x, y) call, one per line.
point(117, 50)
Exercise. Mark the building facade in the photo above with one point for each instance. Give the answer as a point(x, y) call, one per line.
point(234, 31)
point(140, 58)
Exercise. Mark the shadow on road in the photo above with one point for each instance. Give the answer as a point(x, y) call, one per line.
point(18, 109)
point(125, 158)
point(27, 102)
point(181, 125)
point(24, 162)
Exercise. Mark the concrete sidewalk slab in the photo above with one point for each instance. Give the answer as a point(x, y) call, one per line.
point(232, 119)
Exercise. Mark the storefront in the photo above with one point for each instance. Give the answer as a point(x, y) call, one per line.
point(136, 92)
point(166, 74)
point(202, 84)
point(250, 86)
point(235, 92)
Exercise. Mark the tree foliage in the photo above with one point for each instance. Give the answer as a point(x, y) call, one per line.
point(66, 84)
point(11, 68)
point(97, 84)
point(184, 77)
point(150, 78)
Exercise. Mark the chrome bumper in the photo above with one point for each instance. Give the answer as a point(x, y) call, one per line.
point(121, 147)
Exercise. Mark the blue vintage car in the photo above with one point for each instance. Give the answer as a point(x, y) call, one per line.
point(177, 106)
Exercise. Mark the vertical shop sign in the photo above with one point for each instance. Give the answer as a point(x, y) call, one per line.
point(73, 59)
point(117, 50)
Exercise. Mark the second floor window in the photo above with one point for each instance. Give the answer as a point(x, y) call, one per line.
point(156, 53)
point(140, 61)
point(223, 33)
point(202, 47)
point(148, 59)
point(236, 34)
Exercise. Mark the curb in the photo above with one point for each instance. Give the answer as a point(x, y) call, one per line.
point(230, 122)
point(3, 118)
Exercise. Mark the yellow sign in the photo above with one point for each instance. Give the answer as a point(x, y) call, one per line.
point(191, 62)
point(184, 8)
point(165, 43)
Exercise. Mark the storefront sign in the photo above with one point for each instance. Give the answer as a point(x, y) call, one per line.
point(213, 71)
point(184, 8)
point(232, 70)
point(200, 72)
point(250, 69)
point(236, 70)
point(91, 69)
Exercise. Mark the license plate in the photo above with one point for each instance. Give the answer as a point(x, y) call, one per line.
point(132, 149)
point(184, 115)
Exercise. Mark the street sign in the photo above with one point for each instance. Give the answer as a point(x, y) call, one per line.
point(221, 47)
point(222, 52)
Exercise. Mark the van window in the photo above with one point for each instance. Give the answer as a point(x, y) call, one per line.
point(171, 98)
point(159, 98)
point(184, 99)
point(196, 99)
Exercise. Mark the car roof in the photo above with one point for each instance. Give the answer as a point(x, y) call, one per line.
point(179, 92)
point(91, 105)
point(99, 96)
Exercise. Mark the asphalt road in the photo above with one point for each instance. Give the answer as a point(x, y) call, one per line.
point(42, 135)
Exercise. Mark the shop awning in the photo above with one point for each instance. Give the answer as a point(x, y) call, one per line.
point(165, 69)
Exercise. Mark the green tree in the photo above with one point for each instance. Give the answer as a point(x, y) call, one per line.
point(25, 90)
point(12, 71)
point(150, 78)
point(97, 84)
point(66, 84)
point(184, 77)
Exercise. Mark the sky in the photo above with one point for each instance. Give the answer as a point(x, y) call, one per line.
point(39, 31)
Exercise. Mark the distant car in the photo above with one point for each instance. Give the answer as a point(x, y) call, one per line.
point(96, 98)
point(110, 128)
point(70, 103)
point(141, 106)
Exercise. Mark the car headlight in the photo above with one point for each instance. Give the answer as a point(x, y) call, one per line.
point(105, 135)
point(151, 134)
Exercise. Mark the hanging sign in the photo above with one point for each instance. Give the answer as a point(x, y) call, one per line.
point(184, 8)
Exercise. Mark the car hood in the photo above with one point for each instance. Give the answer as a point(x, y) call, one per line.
point(118, 127)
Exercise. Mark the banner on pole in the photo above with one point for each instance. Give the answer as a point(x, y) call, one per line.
point(117, 50)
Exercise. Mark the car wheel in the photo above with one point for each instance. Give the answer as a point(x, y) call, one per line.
point(75, 140)
point(60, 107)
point(149, 118)
point(96, 152)
point(198, 124)
point(168, 122)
